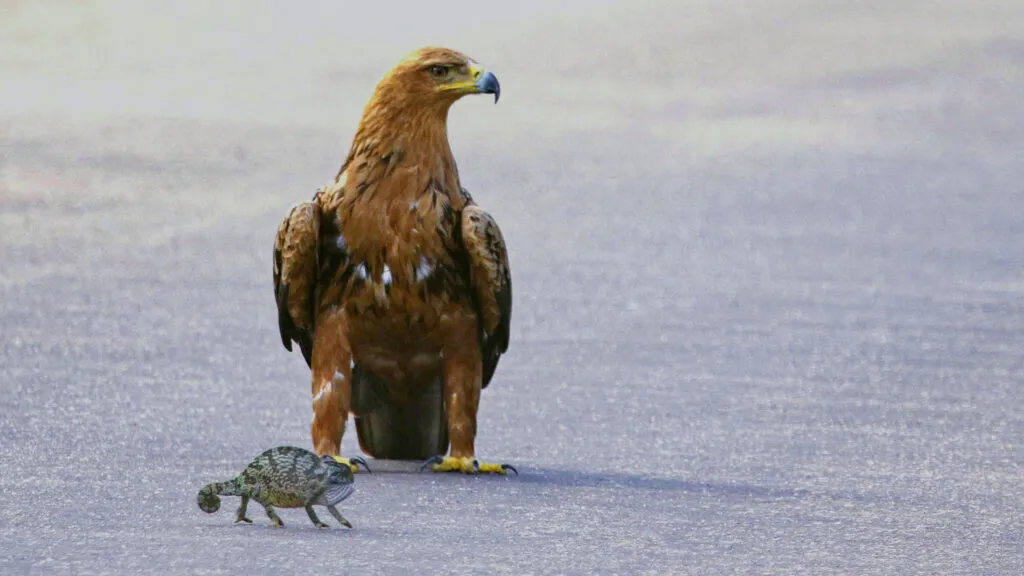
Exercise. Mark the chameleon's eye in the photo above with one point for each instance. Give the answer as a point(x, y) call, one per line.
point(438, 72)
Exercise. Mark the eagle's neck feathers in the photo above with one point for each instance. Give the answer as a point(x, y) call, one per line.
point(398, 192)
point(399, 133)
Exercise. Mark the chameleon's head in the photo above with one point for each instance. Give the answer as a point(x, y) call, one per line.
point(208, 501)
point(337, 472)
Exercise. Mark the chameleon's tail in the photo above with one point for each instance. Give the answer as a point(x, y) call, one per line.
point(208, 499)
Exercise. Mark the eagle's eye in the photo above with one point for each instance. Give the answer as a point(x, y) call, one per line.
point(438, 71)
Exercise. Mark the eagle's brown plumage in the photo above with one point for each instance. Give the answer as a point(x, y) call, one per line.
point(392, 272)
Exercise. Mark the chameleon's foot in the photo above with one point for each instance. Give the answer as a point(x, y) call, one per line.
point(240, 513)
point(466, 466)
point(275, 520)
point(313, 518)
point(337, 516)
point(353, 463)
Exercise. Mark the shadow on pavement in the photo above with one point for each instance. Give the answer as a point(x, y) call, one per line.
point(604, 479)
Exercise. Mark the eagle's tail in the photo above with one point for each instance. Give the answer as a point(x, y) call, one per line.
point(387, 430)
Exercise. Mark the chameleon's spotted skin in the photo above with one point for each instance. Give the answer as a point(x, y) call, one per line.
point(286, 477)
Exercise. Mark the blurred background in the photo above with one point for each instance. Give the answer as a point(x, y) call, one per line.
point(767, 264)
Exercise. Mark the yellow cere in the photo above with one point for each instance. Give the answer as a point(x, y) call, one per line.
point(475, 71)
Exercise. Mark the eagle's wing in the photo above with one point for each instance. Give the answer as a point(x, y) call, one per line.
point(295, 275)
point(491, 281)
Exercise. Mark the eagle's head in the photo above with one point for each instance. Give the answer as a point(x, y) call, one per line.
point(438, 76)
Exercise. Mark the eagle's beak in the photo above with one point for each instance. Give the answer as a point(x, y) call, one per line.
point(485, 82)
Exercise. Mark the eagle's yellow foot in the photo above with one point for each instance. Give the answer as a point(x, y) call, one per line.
point(466, 466)
point(353, 463)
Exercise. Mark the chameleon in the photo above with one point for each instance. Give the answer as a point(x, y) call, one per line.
point(286, 477)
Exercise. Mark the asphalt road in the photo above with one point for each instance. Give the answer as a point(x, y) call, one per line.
point(768, 271)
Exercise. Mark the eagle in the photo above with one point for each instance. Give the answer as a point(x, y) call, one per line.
point(394, 284)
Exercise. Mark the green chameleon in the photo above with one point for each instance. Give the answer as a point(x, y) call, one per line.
point(286, 477)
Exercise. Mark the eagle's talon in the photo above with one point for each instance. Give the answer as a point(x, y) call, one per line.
point(453, 464)
point(430, 461)
point(502, 469)
point(466, 466)
point(353, 463)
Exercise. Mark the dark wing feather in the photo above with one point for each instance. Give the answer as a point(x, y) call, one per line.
point(295, 276)
point(492, 282)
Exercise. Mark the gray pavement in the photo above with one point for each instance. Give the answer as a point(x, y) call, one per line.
point(768, 271)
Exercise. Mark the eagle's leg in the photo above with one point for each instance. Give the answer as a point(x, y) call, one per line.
point(463, 371)
point(332, 384)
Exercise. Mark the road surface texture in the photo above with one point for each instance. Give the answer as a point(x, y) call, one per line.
point(768, 268)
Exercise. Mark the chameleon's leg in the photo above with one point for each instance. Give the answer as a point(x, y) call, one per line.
point(312, 516)
point(275, 520)
point(240, 517)
point(337, 516)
